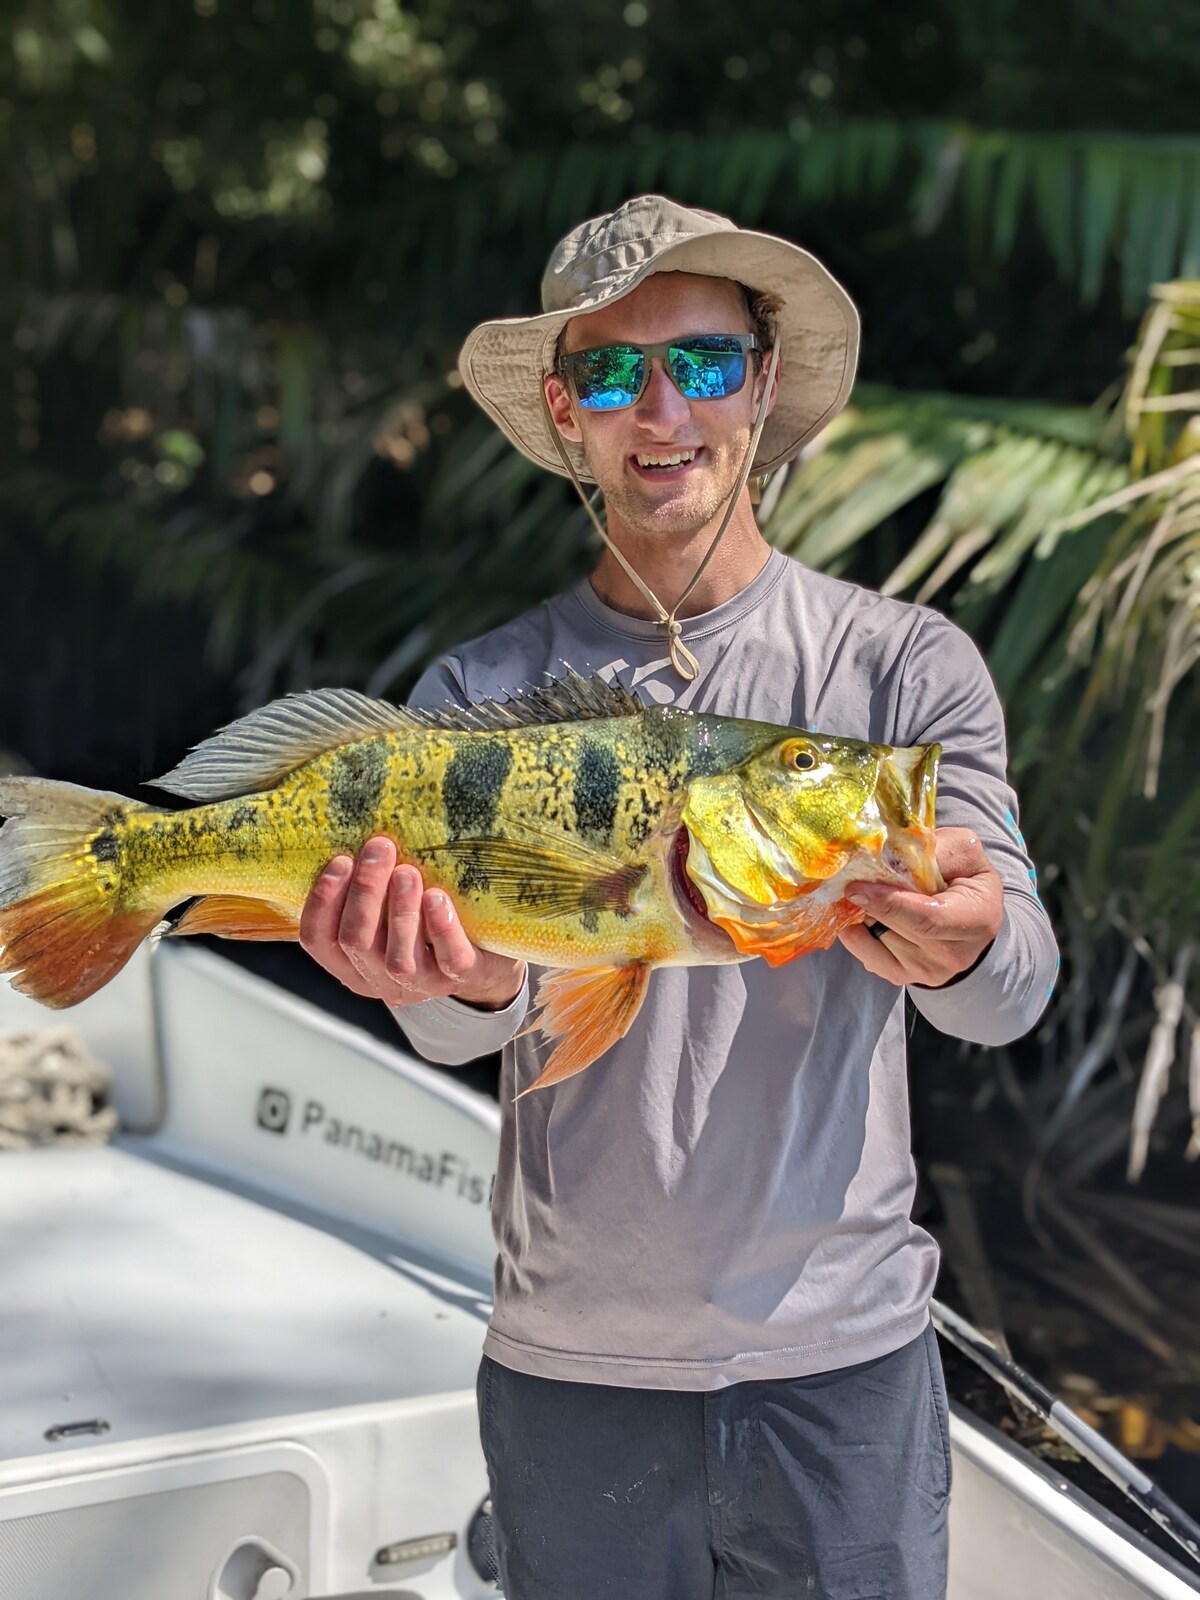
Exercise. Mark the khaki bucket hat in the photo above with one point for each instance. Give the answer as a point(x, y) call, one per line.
point(503, 362)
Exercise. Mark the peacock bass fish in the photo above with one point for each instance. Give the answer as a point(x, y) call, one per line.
point(572, 826)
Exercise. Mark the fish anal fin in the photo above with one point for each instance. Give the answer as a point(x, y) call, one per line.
point(586, 1011)
point(234, 916)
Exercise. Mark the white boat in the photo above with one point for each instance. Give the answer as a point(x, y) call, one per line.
point(238, 1344)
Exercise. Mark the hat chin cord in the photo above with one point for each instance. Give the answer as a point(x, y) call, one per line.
point(682, 659)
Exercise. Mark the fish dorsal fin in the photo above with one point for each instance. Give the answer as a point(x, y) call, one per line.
point(260, 749)
point(571, 698)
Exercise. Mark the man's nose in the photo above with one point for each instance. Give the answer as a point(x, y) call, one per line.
point(660, 401)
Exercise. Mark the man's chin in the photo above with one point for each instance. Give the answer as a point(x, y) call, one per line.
point(665, 514)
point(667, 523)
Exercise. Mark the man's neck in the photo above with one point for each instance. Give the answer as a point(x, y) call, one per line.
point(666, 564)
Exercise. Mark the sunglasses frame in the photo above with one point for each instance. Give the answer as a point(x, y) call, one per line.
point(565, 365)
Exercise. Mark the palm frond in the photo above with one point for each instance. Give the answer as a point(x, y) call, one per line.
point(1129, 203)
point(1006, 473)
point(1138, 621)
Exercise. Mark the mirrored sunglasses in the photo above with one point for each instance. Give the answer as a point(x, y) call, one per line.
point(704, 366)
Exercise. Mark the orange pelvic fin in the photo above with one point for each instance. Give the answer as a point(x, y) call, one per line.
point(235, 916)
point(587, 1011)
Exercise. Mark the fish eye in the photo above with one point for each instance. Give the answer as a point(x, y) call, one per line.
point(802, 760)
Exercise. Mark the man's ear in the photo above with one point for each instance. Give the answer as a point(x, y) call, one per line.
point(762, 378)
point(559, 400)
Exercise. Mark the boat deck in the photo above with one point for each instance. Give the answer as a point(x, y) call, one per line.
point(158, 1303)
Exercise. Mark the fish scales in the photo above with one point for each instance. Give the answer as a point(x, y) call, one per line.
point(425, 790)
point(572, 827)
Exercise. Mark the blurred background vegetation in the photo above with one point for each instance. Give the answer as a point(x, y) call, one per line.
point(240, 244)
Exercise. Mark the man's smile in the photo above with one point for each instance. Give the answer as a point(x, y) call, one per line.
point(666, 462)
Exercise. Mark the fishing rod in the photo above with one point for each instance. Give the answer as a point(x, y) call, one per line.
point(1093, 1446)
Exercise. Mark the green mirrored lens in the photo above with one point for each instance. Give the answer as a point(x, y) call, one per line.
point(609, 378)
point(708, 368)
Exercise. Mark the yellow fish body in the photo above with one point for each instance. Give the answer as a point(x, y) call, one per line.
point(572, 826)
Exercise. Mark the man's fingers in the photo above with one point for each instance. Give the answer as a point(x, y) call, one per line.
point(873, 954)
point(949, 915)
point(361, 930)
point(322, 913)
point(901, 961)
point(931, 938)
point(405, 950)
point(959, 853)
point(970, 907)
point(321, 919)
point(452, 950)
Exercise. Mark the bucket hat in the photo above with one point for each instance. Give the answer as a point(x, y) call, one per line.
point(601, 261)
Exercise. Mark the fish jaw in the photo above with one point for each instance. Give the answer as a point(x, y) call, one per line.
point(779, 908)
point(906, 794)
point(780, 930)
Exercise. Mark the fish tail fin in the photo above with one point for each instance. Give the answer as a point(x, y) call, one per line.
point(64, 931)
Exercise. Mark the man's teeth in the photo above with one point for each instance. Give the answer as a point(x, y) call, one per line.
point(675, 459)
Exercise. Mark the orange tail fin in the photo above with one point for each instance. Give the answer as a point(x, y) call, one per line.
point(586, 1011)
point(64, 931)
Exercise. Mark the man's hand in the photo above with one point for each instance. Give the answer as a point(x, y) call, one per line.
point(931, 938)
point(379, 931)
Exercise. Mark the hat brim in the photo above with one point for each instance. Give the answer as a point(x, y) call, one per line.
point(503, 362)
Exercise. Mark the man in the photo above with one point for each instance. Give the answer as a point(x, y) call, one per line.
point(709, 1371)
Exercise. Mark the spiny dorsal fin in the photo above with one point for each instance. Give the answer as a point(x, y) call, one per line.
point(260, 749)
point(571, 698)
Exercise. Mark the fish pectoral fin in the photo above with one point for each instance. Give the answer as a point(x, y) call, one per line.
point(547, 880)
point(235, 916)
point(586, 1011)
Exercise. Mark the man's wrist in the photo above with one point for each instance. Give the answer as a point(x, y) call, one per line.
point(492, 998)
point(959, 976)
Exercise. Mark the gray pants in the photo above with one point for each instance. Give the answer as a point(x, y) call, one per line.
point(833, 1486)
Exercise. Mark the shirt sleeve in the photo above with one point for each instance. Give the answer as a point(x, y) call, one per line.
point(448, 1031)
point(948, 697)
point(452, 1033)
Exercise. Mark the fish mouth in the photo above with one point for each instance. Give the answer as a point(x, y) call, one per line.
point(686, 891)
point(906, 797)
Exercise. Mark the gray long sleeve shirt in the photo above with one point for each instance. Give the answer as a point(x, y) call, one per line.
point(726, 1193)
